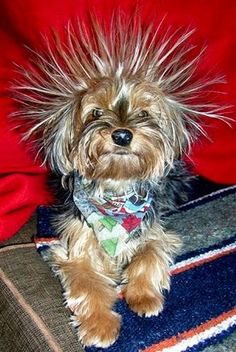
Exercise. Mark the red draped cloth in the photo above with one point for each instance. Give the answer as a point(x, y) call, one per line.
point(22, 22)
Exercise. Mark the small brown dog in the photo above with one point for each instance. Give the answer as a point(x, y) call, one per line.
point(113, 109)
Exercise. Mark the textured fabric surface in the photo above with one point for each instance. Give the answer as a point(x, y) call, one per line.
point(205, 221)
point(204, 224)
point(40, 322)
point(19, 331)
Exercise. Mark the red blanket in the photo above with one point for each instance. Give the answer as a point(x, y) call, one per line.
point(22, 181)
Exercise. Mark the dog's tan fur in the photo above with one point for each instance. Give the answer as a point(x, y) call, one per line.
point(90, 276)
point(77, 95)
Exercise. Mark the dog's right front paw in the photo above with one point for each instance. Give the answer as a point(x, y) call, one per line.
point(144, 303)
point(99, 329)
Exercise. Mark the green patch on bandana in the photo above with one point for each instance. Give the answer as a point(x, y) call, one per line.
point(108, 222)
point(110, 245)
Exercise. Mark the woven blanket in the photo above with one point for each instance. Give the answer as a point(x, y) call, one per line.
point(200, 309)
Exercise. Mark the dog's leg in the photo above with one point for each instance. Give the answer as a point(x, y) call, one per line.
point(89, 291)
point(90, 298)
point(147, 275)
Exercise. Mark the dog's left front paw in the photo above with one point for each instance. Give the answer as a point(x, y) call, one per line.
point(144, 303)
point(100, 330)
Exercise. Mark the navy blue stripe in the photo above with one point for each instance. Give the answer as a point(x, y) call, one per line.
point(44, 227)
point(196, 296)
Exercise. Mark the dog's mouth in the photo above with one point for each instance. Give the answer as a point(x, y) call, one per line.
point(120, 152)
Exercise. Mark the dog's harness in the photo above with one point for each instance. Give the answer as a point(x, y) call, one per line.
point(115, 219)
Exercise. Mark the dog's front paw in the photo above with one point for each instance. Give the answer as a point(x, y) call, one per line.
point(99, 329)
point(147, 303)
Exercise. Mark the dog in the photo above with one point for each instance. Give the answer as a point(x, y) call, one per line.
point(113, 110)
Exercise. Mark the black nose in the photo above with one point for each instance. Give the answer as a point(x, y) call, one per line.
point(122, 137)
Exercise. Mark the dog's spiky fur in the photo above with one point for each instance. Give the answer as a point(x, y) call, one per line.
point(74, 96)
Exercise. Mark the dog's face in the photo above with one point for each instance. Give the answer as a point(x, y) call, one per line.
point(123, 130)
point(119, 112)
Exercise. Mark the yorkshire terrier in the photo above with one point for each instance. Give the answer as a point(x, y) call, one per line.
point(113, 109)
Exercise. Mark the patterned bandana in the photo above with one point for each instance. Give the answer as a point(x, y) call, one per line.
point(115, 219)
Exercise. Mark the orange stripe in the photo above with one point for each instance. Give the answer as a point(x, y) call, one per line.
point(16, 246)
point(201, 261)
point(190, 333)
point(49, 338)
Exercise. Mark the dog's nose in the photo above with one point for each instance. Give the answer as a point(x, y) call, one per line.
point(122, 137)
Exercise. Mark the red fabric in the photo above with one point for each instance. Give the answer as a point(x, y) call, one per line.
point(22, 182)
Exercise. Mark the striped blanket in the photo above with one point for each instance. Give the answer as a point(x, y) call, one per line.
point(200, 309)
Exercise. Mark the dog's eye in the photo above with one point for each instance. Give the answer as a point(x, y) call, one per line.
point(97, 113)
point(143, 113)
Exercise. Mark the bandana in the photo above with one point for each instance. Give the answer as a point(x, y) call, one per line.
point(115, 219)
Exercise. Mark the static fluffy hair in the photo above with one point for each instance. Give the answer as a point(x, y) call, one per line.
point(121, 61)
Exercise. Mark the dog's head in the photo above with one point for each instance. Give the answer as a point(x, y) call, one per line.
point(117, 104)
point(125, 130)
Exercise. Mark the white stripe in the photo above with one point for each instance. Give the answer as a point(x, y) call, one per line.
point(203, 256)
point(202, 336)
point(207, 196)
point(46, 243)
